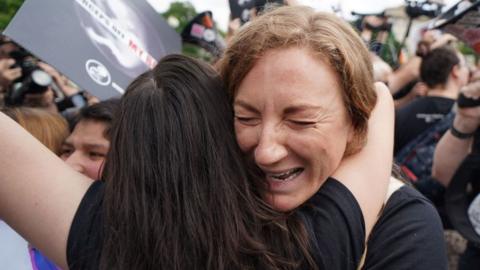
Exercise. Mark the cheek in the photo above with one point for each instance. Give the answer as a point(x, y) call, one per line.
point(246, 137)
point(94, 169)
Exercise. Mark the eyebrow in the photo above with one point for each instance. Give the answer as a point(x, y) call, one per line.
point(245, 105)
point(87, 145)
point(301, 108)
point(96, 146)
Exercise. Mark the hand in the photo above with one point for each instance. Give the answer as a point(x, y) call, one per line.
point(444, 39)
point(62, 82)
point(467, 120)
point(7, 74)
point(420, 89)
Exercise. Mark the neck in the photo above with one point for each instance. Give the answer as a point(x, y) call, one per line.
point(448, 91)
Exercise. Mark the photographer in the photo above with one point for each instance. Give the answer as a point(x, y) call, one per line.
point(450, 152)
point(8, 74)
point(30, 82)
point(456, 144)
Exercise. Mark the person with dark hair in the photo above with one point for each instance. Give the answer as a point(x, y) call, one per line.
point(444, 71)
point(176, 193)
point(88, 144)
point(452, 149)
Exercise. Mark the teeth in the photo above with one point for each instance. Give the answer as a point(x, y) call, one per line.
point(286, 175)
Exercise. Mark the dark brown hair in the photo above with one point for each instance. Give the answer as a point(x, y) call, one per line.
point(437, 64)
point(177, 194)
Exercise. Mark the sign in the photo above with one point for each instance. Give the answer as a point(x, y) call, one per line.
point(101, 45)
point(462, 21)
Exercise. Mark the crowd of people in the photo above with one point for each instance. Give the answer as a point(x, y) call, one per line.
point(297, 149)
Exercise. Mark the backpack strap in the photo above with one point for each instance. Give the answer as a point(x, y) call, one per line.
point(422, 145)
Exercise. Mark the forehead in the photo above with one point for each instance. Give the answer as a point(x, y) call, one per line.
point(290, 73)
point(88, 132)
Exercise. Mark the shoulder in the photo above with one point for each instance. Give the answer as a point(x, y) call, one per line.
point(86, 232)
point(408, 234)
point(334, 196)
point(335, 223)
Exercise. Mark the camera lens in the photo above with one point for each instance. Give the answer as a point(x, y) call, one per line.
point(41, 78)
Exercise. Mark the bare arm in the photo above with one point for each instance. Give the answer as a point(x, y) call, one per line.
point(39, 194)
point(450, 150)
point(404, 74)
point(367, 173)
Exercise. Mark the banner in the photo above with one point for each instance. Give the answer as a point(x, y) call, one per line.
point(101, 45)
point(201, 31)
point(462, 21)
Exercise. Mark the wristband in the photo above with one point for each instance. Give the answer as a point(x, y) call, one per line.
point(460, 135)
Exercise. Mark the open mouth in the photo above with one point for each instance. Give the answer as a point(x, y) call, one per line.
point(285, 176)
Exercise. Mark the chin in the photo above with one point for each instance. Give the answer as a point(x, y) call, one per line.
point(282, 203)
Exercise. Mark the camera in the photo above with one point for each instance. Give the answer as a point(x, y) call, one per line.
point(33, 80)
point(416, 9)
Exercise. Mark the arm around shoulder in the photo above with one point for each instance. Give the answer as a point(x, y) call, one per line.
point(366, 174)
point(39, 194)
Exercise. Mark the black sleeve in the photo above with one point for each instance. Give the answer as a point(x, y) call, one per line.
point(84, 242)
point(408, 235)
point(335, 222)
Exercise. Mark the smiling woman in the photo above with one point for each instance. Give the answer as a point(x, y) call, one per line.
point(302, 88)
point(295, 131)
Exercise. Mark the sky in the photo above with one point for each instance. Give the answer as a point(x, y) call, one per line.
point(221, 11)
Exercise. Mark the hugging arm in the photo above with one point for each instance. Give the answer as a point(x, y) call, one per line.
point(366, 174)
point(39, 194)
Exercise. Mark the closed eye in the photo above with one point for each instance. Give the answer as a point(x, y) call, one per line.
point(249, 121)
point(302, 123)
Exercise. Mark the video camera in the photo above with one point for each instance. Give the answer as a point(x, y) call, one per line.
point(33, 80)
point(415, 9)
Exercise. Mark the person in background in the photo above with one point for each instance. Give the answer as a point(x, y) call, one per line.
point(451, 150)
point(88, 144)
point(444, 71)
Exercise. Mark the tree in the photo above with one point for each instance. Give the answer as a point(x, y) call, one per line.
point(8, 8)
point(181, 11)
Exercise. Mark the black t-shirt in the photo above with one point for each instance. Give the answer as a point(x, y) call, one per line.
point(418, 116)
point(408, 235)
point(338, 228)
point(84, 242)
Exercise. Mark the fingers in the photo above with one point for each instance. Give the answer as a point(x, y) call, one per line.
point(8, 74)
point(12, 74)
point(6, 63)
point(49, 69)
point(472, 90)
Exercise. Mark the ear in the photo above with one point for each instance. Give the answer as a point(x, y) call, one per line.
point(455, 71)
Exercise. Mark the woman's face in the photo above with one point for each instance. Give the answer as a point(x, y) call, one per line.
point(291, 120)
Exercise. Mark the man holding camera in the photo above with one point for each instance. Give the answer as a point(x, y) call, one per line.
point(451, 151)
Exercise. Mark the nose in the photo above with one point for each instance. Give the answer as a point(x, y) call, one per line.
point(75, 162)
point(271, 147)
